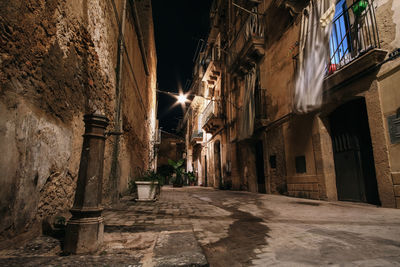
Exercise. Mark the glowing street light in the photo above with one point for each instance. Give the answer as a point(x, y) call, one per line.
point(182, 99)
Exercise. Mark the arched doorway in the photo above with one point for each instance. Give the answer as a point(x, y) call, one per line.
point(217, 164)
point(353, 155)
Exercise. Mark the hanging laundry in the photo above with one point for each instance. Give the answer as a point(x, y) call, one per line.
point(247, 112)
point(314, 51)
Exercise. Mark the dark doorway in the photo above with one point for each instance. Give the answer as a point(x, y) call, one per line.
point(260, 167)
point(217, 164)
point(205, 171)
point(353, 155)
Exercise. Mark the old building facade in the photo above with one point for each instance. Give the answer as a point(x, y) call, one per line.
point(171, 146)
point(299, 98)
point(59, 61)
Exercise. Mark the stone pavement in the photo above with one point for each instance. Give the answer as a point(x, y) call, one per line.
point(232, 229)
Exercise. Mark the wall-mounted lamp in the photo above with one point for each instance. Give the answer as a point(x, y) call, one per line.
point(183, 98)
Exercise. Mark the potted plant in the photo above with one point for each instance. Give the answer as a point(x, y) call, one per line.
point(359, 6)
point(148, 185)
point(178, 170)
point(191, 177)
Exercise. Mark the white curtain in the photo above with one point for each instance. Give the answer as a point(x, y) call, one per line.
point(247, 112)
point(316, 28)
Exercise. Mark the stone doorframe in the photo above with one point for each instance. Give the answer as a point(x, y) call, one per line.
point(322, 145)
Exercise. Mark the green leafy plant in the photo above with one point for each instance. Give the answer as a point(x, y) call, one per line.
point(359, 7)
point(191, 177)
point(179, 172)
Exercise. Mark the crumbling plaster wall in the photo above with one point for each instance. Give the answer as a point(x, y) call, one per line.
point(274, 146)
point(57, 61)
point(388, 21)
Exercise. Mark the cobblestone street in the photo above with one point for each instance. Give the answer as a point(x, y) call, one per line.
point(232, 229)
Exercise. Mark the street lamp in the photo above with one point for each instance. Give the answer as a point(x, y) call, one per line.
point(182, 99)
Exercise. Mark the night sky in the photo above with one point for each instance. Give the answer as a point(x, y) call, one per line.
point(178, 25)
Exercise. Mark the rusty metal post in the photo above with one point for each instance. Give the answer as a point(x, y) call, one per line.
point(84, 232)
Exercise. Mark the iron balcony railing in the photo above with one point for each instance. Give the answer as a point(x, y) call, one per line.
point(208, 112)
point(252, 28)
point(205, 58)
point(197, 134)
point(213, 54)
point(354, 32)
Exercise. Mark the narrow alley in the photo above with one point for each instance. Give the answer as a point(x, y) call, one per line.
point(233, 229)
point(200, 133)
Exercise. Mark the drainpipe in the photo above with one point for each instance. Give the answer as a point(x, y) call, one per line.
point(139, 35)
point(118, 110)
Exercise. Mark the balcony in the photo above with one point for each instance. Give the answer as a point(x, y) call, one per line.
point(197, 137)
point(211, 120)
point(211, 66)
point(354, 43)
point(247, 48)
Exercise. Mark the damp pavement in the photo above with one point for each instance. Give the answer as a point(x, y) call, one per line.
point(195, 226)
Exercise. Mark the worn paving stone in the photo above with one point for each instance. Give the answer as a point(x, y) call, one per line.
point(236, 229)
point(178, 249)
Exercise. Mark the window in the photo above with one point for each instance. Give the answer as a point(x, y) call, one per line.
point(301, 164)
point(272, 161)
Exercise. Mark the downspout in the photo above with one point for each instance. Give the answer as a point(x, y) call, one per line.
point(139, 36)
point(118, 108)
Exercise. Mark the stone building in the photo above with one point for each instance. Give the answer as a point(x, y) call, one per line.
point(299, 98)
point(60, 60)
point(171, 146)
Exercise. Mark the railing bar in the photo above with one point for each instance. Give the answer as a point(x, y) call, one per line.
point(372, 24)
point(341, 45)
point(376, 25)
point(337, 43)
point(360, 37)
point(348, 26)
point(338, 46)
point(368, 30)
point(366, 39)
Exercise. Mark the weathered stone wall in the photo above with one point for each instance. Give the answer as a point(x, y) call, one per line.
point(388, 18)
point(389, 78)
point(274, 146)
point(388, 22)
point(58, 62)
